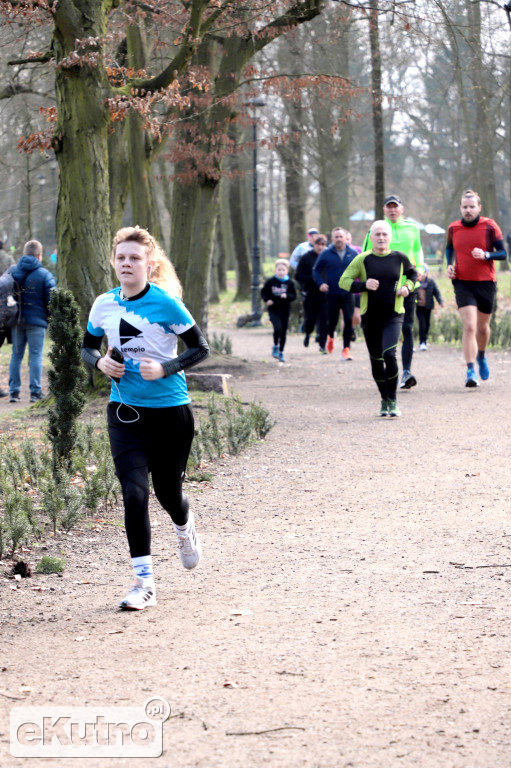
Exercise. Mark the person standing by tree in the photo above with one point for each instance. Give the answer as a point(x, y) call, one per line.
point(474, 244)
point(327, 272)
point(406, 237)
point(150, 421)
point(384, 278)
point(36, 283)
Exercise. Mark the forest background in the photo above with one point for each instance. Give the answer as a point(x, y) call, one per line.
point(126, 111)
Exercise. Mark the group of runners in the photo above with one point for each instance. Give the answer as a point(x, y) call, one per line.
point(150, 422)
point(383, 283)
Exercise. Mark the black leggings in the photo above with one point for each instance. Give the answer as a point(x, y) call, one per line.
point(280, 323)
point(382, 336)
point(315, 309)
point(424, 317)
point(159, 443)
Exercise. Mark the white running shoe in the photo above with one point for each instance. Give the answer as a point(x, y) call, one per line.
point(189, 546)
point(141, 596)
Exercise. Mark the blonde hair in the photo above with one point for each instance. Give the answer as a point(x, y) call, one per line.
point(471, 193)
point(285, 262)
point(163, 272)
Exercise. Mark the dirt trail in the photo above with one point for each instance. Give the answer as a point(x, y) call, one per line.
point(373, 557)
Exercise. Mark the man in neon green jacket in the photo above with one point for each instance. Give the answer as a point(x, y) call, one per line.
point(405, 238)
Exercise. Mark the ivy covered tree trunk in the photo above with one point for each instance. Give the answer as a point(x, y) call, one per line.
point(66, 377)
point(81, 147)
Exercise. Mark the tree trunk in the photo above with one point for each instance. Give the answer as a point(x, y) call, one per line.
point(81, 147)
point(291, 157)
point(118, 175)
point(376, 99)
point(143, 199)
point(214, 294)
point(225, 225)
point(192, 238)
point(221, 263)
point(241, 254)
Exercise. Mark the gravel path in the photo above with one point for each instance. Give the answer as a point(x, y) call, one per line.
point(369, 559)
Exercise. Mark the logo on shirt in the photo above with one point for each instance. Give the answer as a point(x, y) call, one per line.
point(127, 333)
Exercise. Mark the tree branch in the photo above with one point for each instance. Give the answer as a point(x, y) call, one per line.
point(291, 76)
point(39, 59)
point(297, 14)
point(7, 91)
point(191, 40)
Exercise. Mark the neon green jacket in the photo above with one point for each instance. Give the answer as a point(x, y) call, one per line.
point(406, 237)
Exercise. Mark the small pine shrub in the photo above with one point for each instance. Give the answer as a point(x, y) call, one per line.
point(434, 331)
point(49, 564)
point(213, 430)
point(17, 524)
point(503, 331)
point(196, 456)
point(261, 419)
point(238, 425)
point(33, 465)
point(66, 377)
point(221, 345)
point(450, 327)
point(3, 537)
point(14, 466)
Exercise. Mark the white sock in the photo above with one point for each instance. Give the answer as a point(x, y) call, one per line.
point(180, 529)
point(143, 566)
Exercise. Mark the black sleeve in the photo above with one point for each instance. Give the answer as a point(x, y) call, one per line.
point(266, 291)
point(299, 274)
point(291, 291)
point(90, 349)
point(197, 350)
point(499, 254)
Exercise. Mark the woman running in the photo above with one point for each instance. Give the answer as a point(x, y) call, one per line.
point(150, 421)
point(386, 277)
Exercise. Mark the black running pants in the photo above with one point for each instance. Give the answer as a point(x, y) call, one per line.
point(159, 443)
point(382, 336)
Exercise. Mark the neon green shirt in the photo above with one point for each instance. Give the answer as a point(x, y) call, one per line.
point(406, 237)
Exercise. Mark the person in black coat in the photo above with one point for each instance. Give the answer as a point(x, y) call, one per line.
point(277, 293)
point(314, 301)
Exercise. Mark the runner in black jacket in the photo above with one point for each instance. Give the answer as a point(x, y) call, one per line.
point(277, 293)
point(314, 301)
point(386, 278)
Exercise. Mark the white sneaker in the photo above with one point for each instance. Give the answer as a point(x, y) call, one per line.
point(423, 346)
point(141, 596)
point(189, 546)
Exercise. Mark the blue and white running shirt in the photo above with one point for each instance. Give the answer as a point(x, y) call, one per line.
point(143, 328)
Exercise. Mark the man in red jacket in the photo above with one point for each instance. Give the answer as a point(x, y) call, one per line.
point(474, 243)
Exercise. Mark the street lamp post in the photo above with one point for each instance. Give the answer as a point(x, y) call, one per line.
point(256, 260)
